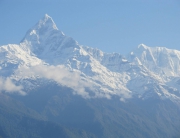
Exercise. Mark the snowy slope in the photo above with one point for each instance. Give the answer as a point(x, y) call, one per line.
point(163, 62)
point(12, 57)
point(46, 52)
point(160, 60)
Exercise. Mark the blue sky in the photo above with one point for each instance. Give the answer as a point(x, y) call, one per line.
point(110, 25)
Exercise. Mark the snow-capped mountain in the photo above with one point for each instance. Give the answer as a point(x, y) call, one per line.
point(163, 62)
point(159, 60)
point(12, 56)
point(45, 48)
point(79, 91)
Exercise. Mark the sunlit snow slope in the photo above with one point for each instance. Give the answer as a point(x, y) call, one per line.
point(46, 54)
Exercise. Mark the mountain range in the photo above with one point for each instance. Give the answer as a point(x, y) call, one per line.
point(51, 86)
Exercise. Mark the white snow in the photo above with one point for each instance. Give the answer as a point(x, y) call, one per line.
point(145, 72)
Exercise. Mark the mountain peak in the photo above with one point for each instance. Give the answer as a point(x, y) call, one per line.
point(40, 36)
point(47, 16)
point(43, 27)
point(143, 46)
point(47, 21)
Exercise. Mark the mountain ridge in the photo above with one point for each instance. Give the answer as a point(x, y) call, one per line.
point(49, 83)
point(108, 73)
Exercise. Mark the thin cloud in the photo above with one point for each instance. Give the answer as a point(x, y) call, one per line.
point(60, 75)
point(85, 87)
point(6, 85)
